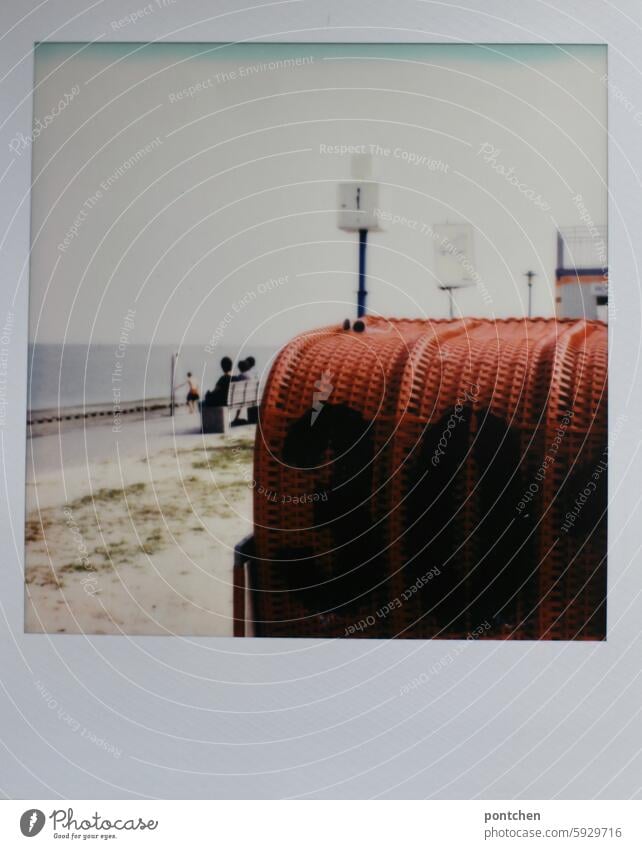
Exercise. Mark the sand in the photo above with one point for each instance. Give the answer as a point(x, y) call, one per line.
point(133, 532)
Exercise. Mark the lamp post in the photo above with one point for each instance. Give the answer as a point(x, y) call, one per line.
point(172, 384)
point(454, 261)
point(362, 293)
point(357, 205)
point(449, 291)
point(529, 275)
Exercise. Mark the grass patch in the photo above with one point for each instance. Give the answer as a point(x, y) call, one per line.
point(224, 458)
point(153, 542)
point(34, 529)
point(77, 567)
point(233, 487)
point(106, 495)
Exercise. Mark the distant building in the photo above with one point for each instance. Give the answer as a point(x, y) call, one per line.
point(582, 274)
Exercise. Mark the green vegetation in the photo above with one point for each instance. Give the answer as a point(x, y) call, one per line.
point(144, 517)
point(153, 542)
point(225, 457)
point(77, 567)
point(106, 495)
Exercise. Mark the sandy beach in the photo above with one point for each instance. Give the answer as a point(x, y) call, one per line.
point(133, 531)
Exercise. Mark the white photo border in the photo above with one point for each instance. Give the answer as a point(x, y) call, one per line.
point(224, 718)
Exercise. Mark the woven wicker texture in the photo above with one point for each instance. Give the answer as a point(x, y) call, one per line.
point(434, 479)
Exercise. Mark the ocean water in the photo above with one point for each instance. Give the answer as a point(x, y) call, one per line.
point(73, 375)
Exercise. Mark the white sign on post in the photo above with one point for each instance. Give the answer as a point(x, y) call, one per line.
point(359, 198)
point(357, 204)
point(454, 265)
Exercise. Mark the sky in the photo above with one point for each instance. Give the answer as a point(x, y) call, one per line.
point(187, 193)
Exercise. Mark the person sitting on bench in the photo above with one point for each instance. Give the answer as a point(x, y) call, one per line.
point(244, 367)
point(218, 396)
point(250, 363)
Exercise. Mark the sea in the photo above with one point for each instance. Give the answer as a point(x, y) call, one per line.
point(61, 376)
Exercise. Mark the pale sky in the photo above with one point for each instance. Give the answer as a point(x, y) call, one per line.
point(239, 183)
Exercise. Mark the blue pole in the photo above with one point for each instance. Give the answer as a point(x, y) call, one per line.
point(361, 294)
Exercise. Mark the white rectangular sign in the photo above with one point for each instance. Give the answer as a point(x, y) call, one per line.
point(454, 262)
point(357, 203)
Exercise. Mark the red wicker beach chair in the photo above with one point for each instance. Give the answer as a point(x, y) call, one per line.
point(427, 479)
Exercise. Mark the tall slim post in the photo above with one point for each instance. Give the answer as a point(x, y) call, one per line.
point(451, 299)
point(529, 275)
point(361, 294)
point(172, 394)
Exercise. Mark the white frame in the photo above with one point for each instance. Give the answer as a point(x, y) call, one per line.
point(506, 720)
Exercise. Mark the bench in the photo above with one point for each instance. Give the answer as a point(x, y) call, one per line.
point(241, 394)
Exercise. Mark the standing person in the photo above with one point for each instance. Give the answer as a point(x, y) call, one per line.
point(193, 393)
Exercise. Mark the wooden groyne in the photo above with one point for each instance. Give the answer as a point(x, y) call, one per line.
point(50, 420)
